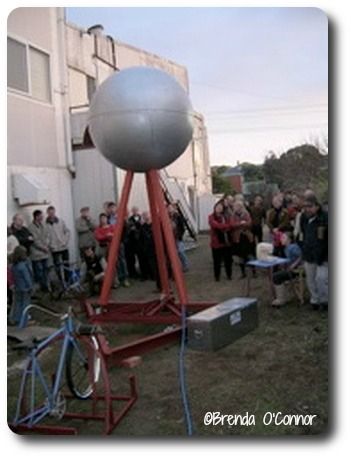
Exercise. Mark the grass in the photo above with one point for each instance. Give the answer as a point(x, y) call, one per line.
point(282, 366)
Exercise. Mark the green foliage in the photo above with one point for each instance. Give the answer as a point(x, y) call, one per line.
point(220, 185)
point(299, 168)
point(252, 172)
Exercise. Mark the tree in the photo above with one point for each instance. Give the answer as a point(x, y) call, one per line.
point(299, 168)
point(252, 172)
point(220, 185)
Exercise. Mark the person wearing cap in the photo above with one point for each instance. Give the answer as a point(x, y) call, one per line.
point(85, 227)
point(314, 229)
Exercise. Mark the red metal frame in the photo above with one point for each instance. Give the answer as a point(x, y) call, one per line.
point(156, 311)
point(165, 310)
point(158, 238)
point(116, 240)
point(163, 238)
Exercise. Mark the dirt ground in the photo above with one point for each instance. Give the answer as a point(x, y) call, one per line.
point(282, 366)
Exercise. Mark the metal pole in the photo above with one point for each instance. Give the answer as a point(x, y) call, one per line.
point(169, 239)
point(156, 229)
point(116, 240)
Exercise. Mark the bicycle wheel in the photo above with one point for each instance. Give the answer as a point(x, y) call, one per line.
point(83, 367)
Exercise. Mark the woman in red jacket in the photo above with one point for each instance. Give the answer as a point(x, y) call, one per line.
point(220, 241)
point(103, 234)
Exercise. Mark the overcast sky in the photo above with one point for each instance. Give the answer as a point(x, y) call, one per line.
point(259, 75)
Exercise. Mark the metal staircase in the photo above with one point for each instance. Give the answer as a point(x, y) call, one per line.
point(175, 194)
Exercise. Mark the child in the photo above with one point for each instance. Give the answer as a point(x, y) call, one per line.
point(293, 253)
point(23, 281)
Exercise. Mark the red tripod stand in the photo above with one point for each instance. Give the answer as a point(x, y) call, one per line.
point(166, 309)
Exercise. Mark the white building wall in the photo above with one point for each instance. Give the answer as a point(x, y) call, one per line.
point(94, 169)
point(38, 132)
point(32, 24)
point(31, 133)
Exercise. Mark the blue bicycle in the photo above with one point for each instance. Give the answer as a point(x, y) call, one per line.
point(41, 396)
point(65, 281)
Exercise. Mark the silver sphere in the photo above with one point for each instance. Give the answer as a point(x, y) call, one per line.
point(141, 119)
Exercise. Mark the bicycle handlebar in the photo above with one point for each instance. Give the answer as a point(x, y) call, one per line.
point(80, 328)
point(34, 306)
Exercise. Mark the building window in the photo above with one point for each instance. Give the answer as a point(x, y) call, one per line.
point(40, 75)
point(91, 87)
point(28, 70)
point(17, 74)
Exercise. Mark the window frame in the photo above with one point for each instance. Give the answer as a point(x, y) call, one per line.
point(28, 44)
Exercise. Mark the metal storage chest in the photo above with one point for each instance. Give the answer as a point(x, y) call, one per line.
point(222, 324)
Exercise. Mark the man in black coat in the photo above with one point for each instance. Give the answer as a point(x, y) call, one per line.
point(314, 227)
point(21, 233)
point(148, 265)
point(132, 243)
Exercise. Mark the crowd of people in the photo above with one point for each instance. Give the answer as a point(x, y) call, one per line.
point(297, 228)
point(32, 250)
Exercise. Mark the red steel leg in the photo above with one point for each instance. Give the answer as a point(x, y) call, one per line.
point(158, 239)
point(169, 238)
point(116, 240)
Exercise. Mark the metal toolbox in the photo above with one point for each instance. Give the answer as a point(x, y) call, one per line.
point(222, 324)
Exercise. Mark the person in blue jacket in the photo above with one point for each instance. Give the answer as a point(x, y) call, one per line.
point(23, 281)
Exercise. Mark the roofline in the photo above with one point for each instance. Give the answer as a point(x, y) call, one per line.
point(127, 45)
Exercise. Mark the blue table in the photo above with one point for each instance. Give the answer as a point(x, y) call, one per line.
point(266, 266)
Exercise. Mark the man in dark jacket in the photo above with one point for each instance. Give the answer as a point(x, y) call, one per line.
point(314, 228)
point(148, 266)
point(22, 234)
point(132, 242)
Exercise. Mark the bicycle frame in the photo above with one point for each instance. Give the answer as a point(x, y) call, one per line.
point(27, 419)
point(74, 277)
point(33, 370)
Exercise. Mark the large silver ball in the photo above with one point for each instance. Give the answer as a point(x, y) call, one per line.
point(141, 119)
